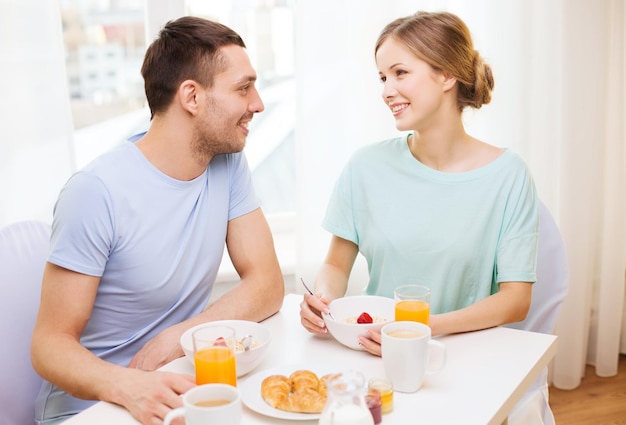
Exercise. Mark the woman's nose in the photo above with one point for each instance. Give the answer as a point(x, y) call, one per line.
point(388, 92)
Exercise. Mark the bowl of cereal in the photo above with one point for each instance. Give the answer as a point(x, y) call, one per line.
point(354, 315)
point(246, 360)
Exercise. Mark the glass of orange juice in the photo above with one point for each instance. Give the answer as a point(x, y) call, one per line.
point(214, 355)
point(412, 303)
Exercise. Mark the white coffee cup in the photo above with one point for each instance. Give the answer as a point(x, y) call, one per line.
point(222, 405)
point(406, 350)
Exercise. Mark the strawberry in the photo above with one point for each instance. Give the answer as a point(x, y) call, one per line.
point(365, 318)
point(220, 342)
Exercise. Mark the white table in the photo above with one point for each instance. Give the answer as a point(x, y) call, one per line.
point(486, 373)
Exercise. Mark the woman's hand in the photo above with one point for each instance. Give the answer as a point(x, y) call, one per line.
point(331, 282)
point(372, 342)
point(311, 310)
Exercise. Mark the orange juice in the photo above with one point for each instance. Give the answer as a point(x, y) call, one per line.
point(215, 365)
point(412, 310)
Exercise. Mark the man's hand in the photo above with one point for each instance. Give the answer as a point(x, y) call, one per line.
point(149, 396)
point(159, 351)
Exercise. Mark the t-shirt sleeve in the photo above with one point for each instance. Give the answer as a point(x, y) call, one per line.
point(243, 198)
point(517, 251)
point(339, 218)
point(82, 231)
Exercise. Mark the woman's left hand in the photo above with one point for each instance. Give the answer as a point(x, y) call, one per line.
point(371, 342)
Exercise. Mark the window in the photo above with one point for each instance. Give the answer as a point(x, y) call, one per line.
point(105, 44)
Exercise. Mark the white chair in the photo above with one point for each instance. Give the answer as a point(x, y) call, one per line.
point(23, 252)
point(549, 291)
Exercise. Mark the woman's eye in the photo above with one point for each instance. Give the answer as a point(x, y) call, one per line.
point(383, 79)
point(400, 72)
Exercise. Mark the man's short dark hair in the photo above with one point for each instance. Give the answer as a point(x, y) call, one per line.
point(186, 49)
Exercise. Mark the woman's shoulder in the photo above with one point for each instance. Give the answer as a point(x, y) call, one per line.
point(511, 159)
point(389, 146)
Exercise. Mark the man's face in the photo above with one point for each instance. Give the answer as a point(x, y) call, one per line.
point(228, 106)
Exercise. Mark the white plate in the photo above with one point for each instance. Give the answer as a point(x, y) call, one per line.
point(251, 391)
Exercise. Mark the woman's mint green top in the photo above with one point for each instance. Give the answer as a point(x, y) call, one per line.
point(460, 234)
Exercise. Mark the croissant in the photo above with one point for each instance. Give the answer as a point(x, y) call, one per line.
point(302, 392)
point(275, 388)
point(308, 401)
point(322, 386)
point(302, 380)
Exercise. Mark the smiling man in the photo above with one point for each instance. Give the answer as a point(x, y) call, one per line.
point(138, 235)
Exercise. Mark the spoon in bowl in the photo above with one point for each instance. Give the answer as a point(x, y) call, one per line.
point(311, 292)
point(246, 341)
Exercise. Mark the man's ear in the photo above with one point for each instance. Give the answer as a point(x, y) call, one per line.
point(188, 96)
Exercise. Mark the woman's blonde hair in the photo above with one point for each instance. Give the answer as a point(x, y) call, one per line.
point(442, 40)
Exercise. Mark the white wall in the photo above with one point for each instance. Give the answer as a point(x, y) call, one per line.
point(35, 119)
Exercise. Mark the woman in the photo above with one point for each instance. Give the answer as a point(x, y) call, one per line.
point(438, 206)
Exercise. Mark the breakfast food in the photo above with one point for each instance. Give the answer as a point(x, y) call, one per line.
point(239, 347)
point(365, 318)
point(301, 392)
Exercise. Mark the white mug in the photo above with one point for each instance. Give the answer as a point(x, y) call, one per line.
point(222, 405)
point(406, 350)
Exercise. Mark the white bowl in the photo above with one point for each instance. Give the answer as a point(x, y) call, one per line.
point(246, 360)
point(351, 307)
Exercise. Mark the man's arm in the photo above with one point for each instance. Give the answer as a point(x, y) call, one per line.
point(262, 289)
point(259, 294)
point(67, 300)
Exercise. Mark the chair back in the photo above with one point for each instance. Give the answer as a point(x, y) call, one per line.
point(550, 289)
point(549, 292)
point(23, 252)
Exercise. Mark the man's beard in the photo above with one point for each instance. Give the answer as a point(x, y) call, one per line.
point(209, 141)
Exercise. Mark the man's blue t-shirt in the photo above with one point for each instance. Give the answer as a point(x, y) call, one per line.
point(156, 242)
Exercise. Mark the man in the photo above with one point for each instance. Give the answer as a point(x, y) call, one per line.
point(138, 235)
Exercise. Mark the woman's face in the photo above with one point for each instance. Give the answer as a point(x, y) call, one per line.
point(413, 90)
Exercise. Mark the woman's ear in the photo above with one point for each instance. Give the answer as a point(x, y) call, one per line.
point(188, 96)
point(448, 81)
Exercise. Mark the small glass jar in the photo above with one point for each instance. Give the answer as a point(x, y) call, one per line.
point(384, 387)
point(346, 404)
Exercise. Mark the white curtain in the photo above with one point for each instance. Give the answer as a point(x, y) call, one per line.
point(35, 120)
point(559, 102)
